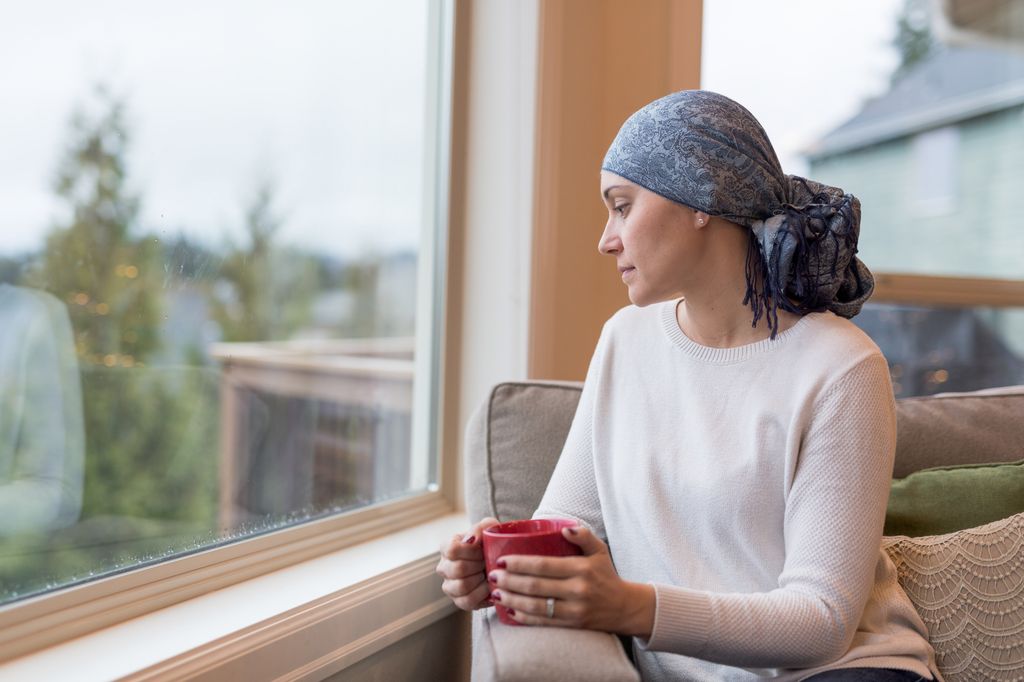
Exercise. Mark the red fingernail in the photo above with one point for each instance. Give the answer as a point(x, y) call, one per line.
point(574, 531)
point(512, 612)
point(495, 596)
point(493, 578)
point(471, 540)
point(501, 563)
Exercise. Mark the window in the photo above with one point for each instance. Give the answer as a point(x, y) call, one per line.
point(928, 131)
point(220, 270)
point(934, 167)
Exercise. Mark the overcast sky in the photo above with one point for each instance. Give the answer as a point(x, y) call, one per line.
point(327, 99)
point(801, 67)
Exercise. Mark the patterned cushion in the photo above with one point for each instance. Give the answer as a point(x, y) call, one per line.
point(968, 587)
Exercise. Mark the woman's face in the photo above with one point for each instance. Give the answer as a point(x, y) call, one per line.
point(657, 243)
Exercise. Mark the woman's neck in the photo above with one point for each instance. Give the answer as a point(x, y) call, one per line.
point(712, 312)
point(722, 322)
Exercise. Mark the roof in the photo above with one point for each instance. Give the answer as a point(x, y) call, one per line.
point(954, 84)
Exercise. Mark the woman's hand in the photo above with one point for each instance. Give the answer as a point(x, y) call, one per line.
point(462, 567)
point(588, 592)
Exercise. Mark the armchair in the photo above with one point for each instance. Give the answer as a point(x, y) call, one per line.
point(513, 443)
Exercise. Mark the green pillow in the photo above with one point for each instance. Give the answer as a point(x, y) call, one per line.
point(947, 499)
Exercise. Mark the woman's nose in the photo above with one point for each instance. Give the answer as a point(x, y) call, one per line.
point(609, 242)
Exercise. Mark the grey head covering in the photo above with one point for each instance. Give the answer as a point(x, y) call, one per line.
point(703, 150)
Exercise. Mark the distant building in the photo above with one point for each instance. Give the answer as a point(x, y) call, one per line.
point(938, 164)
point(383, 304)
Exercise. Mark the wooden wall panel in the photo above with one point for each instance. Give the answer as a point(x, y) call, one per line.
point(599, 61)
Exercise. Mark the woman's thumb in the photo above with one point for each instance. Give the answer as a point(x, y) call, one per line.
point(480, 527)
point(584, 539)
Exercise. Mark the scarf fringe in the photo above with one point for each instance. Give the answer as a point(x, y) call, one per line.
point(822, 229)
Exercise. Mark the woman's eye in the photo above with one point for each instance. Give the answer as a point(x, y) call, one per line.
point(621, 209)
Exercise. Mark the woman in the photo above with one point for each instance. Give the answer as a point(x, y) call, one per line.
point(735, 436)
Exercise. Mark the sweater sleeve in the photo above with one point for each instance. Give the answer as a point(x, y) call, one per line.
point(572, 490)
point(834, 515)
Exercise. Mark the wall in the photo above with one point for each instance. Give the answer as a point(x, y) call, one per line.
point(544, 90)
point(600, 60)
point(438, 652)
point(491, 205)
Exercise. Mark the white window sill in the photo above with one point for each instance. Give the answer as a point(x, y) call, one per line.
point(307, 620)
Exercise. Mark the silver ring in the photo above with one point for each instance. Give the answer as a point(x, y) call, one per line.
point(551, 607)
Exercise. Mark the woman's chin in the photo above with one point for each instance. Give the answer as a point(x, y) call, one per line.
point(639, 297)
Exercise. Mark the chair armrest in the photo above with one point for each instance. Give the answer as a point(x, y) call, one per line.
point(506, 653)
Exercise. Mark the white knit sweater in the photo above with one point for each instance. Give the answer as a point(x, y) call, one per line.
point(749, 486)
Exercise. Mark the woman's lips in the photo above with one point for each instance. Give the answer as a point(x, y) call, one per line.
point(626, 272)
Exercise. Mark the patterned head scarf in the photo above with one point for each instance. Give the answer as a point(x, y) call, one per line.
point(703, 150)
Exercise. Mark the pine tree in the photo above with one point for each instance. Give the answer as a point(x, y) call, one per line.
point(149, 433)
point(914, 40)
point(108, 276)
point(269, 289)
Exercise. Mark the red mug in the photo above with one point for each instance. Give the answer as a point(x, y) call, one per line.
point(529, 536)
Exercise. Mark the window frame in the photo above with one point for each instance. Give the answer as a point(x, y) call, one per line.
point(462, 382)
point(949, 292)
point(943, 290)
point(43, 620)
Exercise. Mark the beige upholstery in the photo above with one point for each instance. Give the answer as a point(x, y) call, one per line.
point(959, 428)
point(512, 444)
point(516, 654)
point(514, 440)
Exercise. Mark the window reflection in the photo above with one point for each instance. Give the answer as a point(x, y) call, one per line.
point(208, 288)
point(41, 438)
point(928, 132)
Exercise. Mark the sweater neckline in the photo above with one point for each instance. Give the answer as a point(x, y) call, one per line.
point(722, 356)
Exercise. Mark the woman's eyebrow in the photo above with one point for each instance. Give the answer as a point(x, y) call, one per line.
point(609, 189)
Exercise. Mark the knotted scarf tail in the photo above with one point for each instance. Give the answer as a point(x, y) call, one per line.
point(809, 258)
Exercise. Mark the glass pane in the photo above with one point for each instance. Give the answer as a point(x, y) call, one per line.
point(867, 96)
point(928, 132)
point(937, 350)
point(209, 253)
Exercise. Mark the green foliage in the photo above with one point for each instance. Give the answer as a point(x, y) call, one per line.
point(914, 39)
point(361, 278)
point(269, 290)
point(151, 443)
point(109, 277)
point(151, 433)
point(34, 563)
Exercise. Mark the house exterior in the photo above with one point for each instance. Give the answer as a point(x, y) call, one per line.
point(938, 164)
